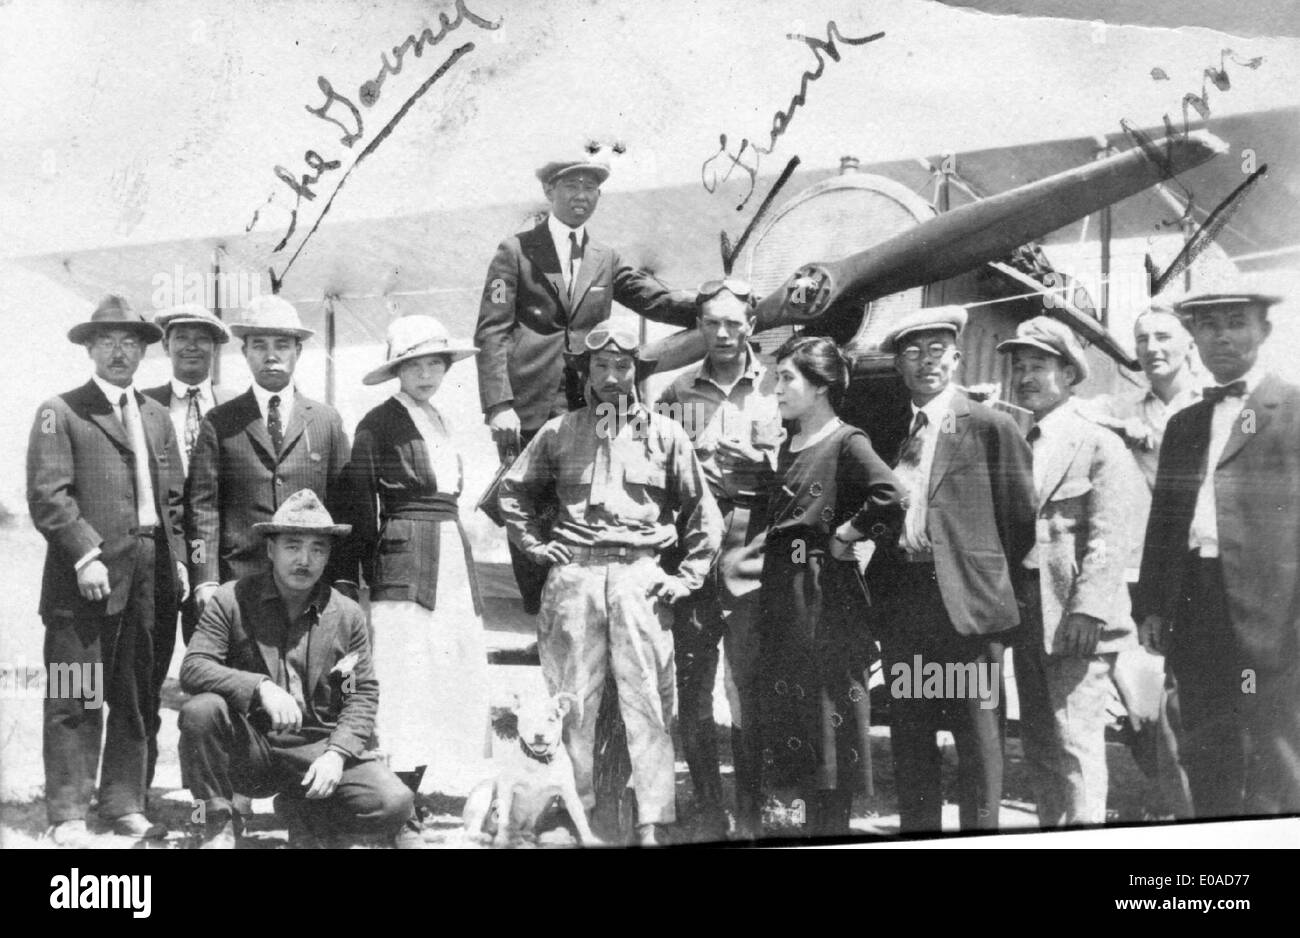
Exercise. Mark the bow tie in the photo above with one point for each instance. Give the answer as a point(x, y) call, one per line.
point(1219, 392)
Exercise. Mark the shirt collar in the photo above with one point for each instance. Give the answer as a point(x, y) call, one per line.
point(112, 391)
point(753, 369)
point(937, 406)
point(264, 396)
point(560, 231)
point(180, 389)
point(1054, 415)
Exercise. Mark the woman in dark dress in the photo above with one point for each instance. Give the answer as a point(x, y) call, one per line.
point(833, 490)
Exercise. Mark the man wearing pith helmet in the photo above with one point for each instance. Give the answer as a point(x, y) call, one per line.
point(626, 480)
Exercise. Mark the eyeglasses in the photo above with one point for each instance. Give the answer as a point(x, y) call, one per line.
point(603, 336)
point(733, 285)
point(914, 353)
point(106, 343)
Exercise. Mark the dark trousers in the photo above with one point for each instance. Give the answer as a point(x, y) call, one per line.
point(222, 751)
point(118, 651)
point(1241, 718)
point(530, 576)
point(712, 612)
point(918, 625)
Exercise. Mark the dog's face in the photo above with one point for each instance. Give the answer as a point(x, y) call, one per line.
point(541, 722)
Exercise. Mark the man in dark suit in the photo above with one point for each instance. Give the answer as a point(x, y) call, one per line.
point(944, 594)
point(1076, 605)
point(1220, 581)
point(285, 694)
point(546, 288)
point(104, 487)
point(255, 450)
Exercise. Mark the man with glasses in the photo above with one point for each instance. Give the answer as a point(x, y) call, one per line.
point(545, 289)
point(626, 480)
point(945, 593)
point(727, 407)
point(104, 486)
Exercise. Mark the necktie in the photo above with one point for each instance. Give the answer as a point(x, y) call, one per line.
point(146, 515)
point(1034, 433)
point(909, 454)
point(575, 261)
point(273, 425)
point(192, 417)
point(1218, 393)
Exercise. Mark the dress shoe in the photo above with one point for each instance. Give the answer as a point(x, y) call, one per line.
point(69, 833)
point(137, 825)
point(409, 837)
point(219, 835)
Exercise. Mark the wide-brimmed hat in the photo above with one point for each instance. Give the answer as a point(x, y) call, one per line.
point(1055, 338)
point(113, 312)
point(1201, 302)
point(414, 337)
point(192, 314)
point(548, 173)
point(302, 513)
point(269, 315)
point(929, 319)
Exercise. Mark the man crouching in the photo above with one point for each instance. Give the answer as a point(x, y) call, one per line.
point(285, 695)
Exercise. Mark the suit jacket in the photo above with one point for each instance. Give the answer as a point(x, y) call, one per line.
point(397, 509)
point(236, 480)
point(526, 322)
point(1091, 487)
point(81, 492)
point(1257, 501)
point(229, 652)
point(980, 521)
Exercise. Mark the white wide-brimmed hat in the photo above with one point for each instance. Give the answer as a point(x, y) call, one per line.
point(414, 337)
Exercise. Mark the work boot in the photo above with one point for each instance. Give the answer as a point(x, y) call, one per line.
point(219, 834)
point(137, 825)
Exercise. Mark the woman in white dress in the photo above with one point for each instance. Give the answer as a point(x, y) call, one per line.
point(404, 480)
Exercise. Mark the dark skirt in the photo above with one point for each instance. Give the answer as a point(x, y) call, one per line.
point(816, 651)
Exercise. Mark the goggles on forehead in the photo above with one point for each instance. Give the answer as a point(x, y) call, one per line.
point(603, 336)
point(733, 285)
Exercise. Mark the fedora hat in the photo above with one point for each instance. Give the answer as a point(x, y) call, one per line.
point(414, 337)
point(269, 315)
point(1053, 337)
point(192, 314)
point(302, 513)
point(113, 312)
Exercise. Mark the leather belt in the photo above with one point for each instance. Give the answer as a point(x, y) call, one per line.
point(609, 553)
point(151, 533)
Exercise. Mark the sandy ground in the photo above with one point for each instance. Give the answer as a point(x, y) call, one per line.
point(22, 813)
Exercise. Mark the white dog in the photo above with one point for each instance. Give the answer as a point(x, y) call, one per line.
point(533, 771)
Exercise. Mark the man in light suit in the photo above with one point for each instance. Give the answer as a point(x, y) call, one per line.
point(546, 288)
point(1220, 582)
point(945, 594)
point(257, 449)
point(104, 488)
point(1077, 606)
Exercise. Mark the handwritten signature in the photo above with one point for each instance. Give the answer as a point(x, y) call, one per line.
point(781, 119)
point(1223, 212)
point(347, 117)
